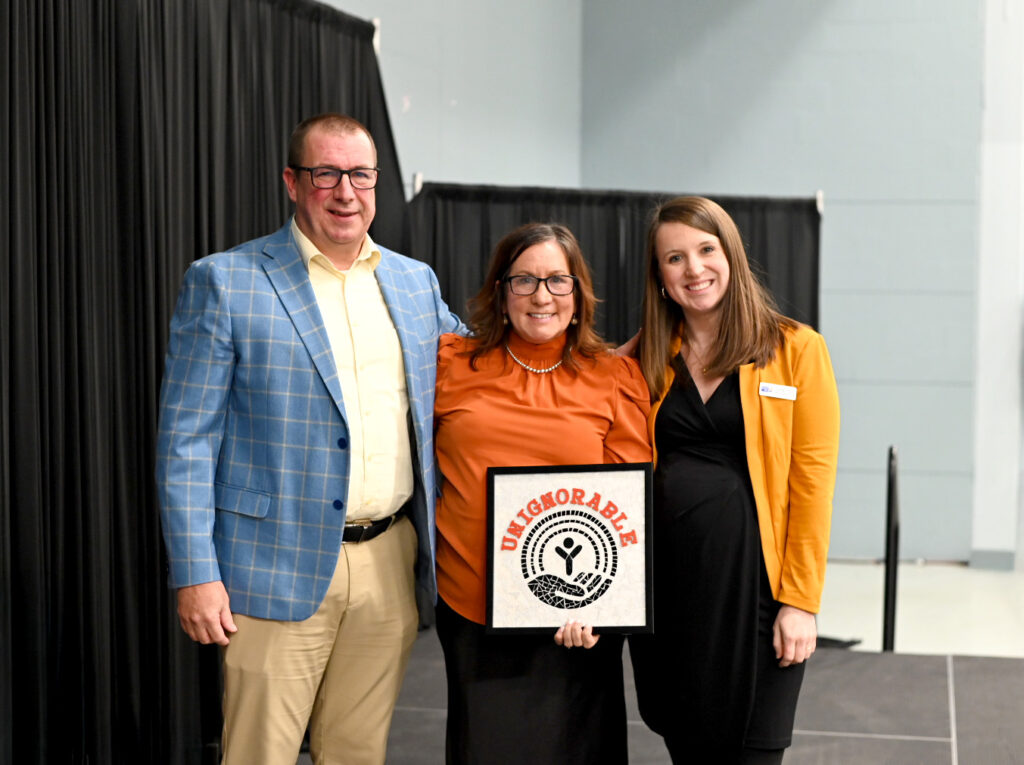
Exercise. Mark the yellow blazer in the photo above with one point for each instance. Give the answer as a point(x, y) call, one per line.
point(792, 450)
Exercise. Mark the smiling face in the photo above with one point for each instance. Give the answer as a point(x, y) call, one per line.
point(539, 317)
point(335, 220)
point(693, 268)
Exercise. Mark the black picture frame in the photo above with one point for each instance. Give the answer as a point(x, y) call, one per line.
point(569, 542)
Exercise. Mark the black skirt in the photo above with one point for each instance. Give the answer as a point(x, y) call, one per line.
point(516, 699)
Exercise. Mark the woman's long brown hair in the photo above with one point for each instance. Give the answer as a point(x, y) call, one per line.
point(750, 327)
point(487, 307)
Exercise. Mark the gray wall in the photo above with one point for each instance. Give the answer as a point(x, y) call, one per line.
point(998, 520)
point(481, 92)
point(878, 104)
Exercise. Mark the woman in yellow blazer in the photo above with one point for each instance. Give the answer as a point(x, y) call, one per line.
point(745, 424)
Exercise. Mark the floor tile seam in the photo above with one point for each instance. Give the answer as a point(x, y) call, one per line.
point(403, 708)
point(884, 736)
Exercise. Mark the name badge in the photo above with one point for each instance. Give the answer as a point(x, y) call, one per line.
point(774, 390)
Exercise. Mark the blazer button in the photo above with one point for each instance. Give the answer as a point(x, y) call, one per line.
point(342, 443)
point(338, 504)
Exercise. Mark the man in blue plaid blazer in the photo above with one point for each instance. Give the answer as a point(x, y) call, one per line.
point(295, 461)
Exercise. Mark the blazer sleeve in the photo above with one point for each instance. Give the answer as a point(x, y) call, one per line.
point(447, 321)
point(812, 475)
point(627, 439)
point(193, 401)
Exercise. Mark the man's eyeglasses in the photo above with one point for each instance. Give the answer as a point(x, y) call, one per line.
point(329, 177)
point(557, 284)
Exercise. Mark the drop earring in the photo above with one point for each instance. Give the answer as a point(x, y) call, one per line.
point(504, 319)
point(663, 295)
point(574, 320)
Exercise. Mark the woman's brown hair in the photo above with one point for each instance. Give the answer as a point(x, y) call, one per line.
point(750, 327)
point(487, 307)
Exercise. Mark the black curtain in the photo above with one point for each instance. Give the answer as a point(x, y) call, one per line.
point(138, 136)
point(455, 228)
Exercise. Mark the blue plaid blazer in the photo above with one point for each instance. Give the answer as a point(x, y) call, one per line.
point(252, 449)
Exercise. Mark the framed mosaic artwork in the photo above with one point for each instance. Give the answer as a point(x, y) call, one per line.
point(569, 542)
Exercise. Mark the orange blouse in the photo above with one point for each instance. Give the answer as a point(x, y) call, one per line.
point(500, 415)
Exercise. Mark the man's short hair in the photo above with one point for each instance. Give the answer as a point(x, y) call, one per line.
point(331, 122)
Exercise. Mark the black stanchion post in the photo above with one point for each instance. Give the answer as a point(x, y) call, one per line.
point(892, 552)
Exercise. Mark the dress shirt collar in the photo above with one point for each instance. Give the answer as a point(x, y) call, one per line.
point(368, 253)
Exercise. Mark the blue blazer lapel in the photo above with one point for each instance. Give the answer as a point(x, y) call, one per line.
point(287, 273)
point(393, 293)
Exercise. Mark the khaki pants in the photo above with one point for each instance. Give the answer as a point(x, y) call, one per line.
point(340, 670)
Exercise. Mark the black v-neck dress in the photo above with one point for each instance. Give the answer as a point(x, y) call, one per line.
point(708, 679)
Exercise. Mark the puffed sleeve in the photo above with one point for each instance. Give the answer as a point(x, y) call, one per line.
point(812, 476)
point(627, 439)
point(448, 346)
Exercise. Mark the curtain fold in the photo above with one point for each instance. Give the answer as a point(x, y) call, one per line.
point(455, 228)
point(139, 135)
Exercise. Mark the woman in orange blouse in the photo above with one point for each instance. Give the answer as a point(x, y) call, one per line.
point(746, 430)
point(535, 385)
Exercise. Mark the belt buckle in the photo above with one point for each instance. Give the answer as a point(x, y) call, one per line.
point(372, 529)
point(363, 529)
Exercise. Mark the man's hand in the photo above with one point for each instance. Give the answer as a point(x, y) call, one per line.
point(794, 635)
point(204, 613)
point(628, 348)
point(575, 634)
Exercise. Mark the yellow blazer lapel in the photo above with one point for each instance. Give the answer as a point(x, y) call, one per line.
point(750, 401)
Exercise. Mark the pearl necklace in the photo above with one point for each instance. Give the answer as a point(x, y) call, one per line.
point(528, 368)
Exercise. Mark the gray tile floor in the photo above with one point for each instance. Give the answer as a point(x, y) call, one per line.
point(859, 707)
point(915, 707)
point(856, 708)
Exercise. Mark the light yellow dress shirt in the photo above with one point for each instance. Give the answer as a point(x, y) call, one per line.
point(368, 357)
